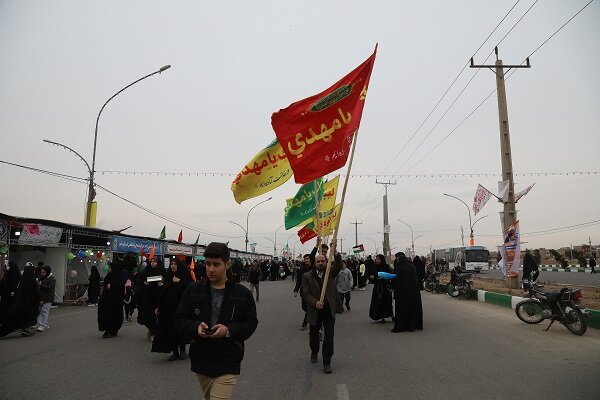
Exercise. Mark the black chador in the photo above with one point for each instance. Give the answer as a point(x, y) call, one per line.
point(167, 339)
point(110, 305)
point(147, 295)
point(381, 299)
point(25, 308)
point(94, 288)
point(409, 310)
point(8, 288)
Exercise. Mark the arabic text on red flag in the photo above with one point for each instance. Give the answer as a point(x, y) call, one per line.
point(316, 133)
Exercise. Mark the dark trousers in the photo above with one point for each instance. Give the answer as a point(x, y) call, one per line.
point(345, 297)
point(327, 321)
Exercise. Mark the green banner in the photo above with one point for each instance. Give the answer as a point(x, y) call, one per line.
point(302, 207)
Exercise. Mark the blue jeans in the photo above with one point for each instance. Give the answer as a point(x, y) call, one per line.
point(43, 317)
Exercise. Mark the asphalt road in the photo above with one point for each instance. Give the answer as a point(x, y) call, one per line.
point(568, 278)
point(467, 350)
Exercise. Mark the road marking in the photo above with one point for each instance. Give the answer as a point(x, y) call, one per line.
point(342, 392)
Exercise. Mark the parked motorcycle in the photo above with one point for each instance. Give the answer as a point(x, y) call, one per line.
point(563, 306)
point(431, 282)
point(460, 284)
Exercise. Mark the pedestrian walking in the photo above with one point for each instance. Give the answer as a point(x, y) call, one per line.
point(128, 301)
point(25, 308)
point(306, 266)
point(381, 297)
point(344, 284)
point(592, 262)
point(110, 304)
point(362, 277)
point(47, 286)
point(94, 286)
point(254, 276)
point(407, 296)
point(168, 339)
point(8, 288)
point(420, 268)
point(147, 286)
point(321, 314)
point(216, 317)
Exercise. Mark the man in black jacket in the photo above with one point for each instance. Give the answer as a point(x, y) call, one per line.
point(306, 266)
point(216, 317)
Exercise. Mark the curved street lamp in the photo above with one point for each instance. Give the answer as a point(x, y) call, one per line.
point(412, 235)
point(91, 191)
point(245, 232)
point(471, 224)
point(248, 218)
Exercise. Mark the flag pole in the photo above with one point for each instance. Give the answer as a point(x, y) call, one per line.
point(317, 219)
point(339, 217)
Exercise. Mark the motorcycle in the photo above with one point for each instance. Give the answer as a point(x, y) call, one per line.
point(431, 282)
point(563, 306)
point(460, 284)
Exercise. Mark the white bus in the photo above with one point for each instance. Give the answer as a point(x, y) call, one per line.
point(469, 258)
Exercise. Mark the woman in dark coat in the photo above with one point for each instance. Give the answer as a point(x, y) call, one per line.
point(420, 267)
point(26, 305)
point(407, 297)
point(381, 298)
point(110, 305)
point(147, 295)
point(8, 288)
point(167, 338)
point(94, 287)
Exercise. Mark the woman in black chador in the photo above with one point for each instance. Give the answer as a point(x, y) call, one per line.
point(94, 287)
point(407, 297)
point(381, 299)
point(147, 288)
point(420, 268)
point(167, 338)
point(8, 288)
point(26, 306)
point(110, 305)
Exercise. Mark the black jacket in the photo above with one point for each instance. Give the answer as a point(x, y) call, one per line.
point(216, 357)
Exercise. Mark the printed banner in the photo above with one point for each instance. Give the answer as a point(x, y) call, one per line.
point(179, 249)
point(328, 220)
point(301, 209)
point(503, 190)
point(316, 133)
point(266, 171)
point(124, 244)
point(40, 235)
point(482, 195)
point(512, 250)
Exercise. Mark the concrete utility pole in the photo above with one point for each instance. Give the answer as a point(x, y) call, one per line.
point(386, 226)
point(462, 235)
point(341, 245)
point(356, 224)
point(510, 213)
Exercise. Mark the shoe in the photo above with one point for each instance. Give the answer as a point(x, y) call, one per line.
point(174, 357)
point(303, 328)
point(106, 335)
point(40, 329)
point(327, 369)
point(26, 332)
point(314, 358)
point(348, 307)
point(182, 355)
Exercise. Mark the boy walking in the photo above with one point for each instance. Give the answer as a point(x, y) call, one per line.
point(345, 282)
point(47, 286)
point(216, 317)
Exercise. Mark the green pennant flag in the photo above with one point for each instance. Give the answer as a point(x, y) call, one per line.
point(196, 242)
point(302, 208)
point(163, 233)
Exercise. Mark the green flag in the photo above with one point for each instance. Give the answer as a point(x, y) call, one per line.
point(163, 233)
point(302, 207)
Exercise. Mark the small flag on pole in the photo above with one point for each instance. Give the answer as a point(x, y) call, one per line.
point(180, 238)
point(192, 267)
point(358, 249)
point(163, 233)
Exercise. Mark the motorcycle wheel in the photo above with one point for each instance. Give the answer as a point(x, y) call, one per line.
point(530, 312)
point(575, 321)
point(428, 285)
point(453, 291)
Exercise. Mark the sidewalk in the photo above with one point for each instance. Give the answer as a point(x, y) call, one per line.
point(559, 268)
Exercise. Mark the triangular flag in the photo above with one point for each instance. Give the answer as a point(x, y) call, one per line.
point(163, 233)
point(196, 242)
point(152, 251)
point(180, 238)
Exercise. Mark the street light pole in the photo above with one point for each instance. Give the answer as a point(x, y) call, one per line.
point(274, 245)
point(276, 239)
point(472, 242)
point(245, 231)
point(412, 235)
point(91, 191)
point(248, 219)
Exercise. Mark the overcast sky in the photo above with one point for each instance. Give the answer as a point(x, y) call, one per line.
point(235, 63)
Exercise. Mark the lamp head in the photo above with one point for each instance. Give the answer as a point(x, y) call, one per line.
point(164, 68)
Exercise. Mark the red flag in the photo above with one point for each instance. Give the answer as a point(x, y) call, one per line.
point(180, 238)
point(192, 267)
point(152, 251)
point(316, 133)
point(307, 233)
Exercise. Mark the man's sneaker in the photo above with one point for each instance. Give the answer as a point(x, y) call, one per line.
point(313, 358)
point(40, 328)
point(348, 307)
point(327, 369)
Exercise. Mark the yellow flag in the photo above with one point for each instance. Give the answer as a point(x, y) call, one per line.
point(268, 170)
point(330, 190)
point(328, 220)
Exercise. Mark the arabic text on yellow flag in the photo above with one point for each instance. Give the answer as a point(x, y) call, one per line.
point(266, 171)
point(330, 190)
point(328, 220)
